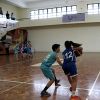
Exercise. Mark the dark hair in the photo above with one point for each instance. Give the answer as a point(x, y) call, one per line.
point(68, 44)
point(55, 47)
point(76, 44)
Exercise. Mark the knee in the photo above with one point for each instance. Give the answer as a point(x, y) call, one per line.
point(74, 78)
point(52, 80)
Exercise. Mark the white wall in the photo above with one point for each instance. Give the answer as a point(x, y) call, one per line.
point(23, 13)
point(10, 8)
point(42, 39)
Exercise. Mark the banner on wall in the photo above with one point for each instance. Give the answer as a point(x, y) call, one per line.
point(73, 17)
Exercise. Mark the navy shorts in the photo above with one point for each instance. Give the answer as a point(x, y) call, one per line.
point(70, 69)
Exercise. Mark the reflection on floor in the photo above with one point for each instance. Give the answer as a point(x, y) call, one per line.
point(23, 79)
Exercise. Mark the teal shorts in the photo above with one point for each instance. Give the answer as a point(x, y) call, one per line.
point(47, 71)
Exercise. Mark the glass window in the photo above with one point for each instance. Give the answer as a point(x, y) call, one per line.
point(49, 15)
point(32, 13)
point(73, 8)
point(93, 8)
point(99, 8)
point(54, 15)
point(64, 9)
point(59, 14)
point(45, 11)
point(58, 10)
point(69, 9)
point(49, 11)
point(36, 12)
point(96, 6)
point(40, 12)
point(90, 7)
point(54, 10)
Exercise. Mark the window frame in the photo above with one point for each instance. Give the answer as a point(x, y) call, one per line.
point(53, 14)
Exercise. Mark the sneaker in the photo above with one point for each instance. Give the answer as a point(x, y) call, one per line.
point(75, 98)
point(45, 94)
point(57, 85)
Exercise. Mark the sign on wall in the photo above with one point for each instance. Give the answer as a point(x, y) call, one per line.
point(73, 17)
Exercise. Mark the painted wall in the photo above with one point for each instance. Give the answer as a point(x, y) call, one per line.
point(43, 38)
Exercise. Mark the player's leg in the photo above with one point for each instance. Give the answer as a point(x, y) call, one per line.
point(44, 91)
point(48, 74)
point(70, 81)
point(74, 84)
point(74, 77)
point(67, 72)
point(56, 80)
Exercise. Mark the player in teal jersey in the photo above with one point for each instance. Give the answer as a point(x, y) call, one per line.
point(47, 70)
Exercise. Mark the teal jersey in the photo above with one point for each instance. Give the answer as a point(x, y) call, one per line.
point(50, 59)
point(16, 49)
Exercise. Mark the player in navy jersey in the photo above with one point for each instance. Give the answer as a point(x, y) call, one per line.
point(69, 65)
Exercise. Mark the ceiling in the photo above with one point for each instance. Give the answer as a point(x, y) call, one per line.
point(27, 3)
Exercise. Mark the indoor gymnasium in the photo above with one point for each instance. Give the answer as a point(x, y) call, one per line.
point(49, 50)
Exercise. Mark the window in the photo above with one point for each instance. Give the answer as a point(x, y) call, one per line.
point(71, 10)
point(50, 13)
point(64, 10)
point(99, 7)
point(41, 14)
point(59, 12)
point(93, 8)
point(74, 10)
point(54, 12)
point(34, 14)
point(45, 13)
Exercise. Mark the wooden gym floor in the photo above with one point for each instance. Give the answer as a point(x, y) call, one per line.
point(23, 80)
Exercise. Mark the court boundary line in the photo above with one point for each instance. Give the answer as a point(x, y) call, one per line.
point(94, 83)
point(21, 83)
point(27, 82)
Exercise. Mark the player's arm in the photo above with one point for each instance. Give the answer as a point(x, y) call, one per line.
point(58, 61)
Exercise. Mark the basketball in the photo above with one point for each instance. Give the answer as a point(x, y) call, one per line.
point(78, 52)
point(75, 98)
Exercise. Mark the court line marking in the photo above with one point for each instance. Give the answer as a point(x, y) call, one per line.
point(10, 88)
point(20, 83)
point(27, 82)
point(94, 84)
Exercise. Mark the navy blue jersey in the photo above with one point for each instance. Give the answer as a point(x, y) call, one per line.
point(68, 56)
